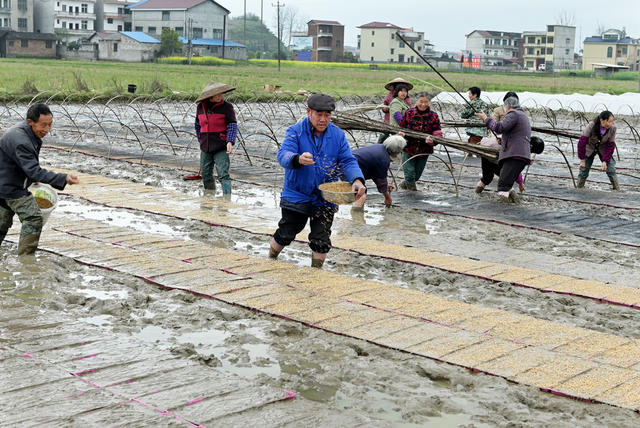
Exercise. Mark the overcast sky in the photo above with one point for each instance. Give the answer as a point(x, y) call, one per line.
point(445, 22)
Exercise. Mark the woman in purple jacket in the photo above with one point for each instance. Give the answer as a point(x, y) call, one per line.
point(515, 150)
point(599, 138)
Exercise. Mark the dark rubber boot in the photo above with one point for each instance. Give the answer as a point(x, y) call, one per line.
point(210, 186)
point(28, 244)
point(614, 183)
point(316, 263)
point(581, 182)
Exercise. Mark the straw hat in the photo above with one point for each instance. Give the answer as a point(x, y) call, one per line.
point(389, 86)
point(214, 88)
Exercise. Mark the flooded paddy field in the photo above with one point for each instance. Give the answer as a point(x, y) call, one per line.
point(338, 381)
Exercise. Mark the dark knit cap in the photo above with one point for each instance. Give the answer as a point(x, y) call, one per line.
point(321, 102)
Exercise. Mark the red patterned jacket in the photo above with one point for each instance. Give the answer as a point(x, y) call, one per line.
point(424, 121)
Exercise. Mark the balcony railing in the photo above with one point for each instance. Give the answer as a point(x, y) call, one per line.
point(85, 15)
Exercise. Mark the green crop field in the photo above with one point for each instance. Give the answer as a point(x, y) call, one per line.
point(79, 80)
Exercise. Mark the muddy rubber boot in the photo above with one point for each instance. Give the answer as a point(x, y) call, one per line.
point(411, 186)
point(317, 263)
point(210, 186)
point(581, 182)
point(614, 183)
point(480, 187)
point(503, 197)
point(513, 197)
point(28, 244)
point(273, 253)
point(403, 185)
point(226, 188)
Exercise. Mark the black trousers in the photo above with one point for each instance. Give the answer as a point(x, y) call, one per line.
point(320, 220)
point(489, 169)
point(509, 169)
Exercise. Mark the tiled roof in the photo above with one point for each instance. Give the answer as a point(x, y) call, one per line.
point(625, 41)
point(321, 22)
point(139, 36)
point(170, 4)
point(22, 35)
point(376, 24)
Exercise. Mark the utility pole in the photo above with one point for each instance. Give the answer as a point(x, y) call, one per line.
point(224, 32)
point(244, 29)
point(278, 5)
point(189, 37)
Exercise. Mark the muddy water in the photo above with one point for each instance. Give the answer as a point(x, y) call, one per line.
point(331, 374)
point(347, 379)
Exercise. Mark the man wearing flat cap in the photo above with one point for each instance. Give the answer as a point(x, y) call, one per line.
point(314, 151)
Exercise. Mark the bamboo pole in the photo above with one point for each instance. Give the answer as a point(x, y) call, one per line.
point(351, 121)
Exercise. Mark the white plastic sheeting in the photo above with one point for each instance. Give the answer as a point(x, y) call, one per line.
point(627, 103)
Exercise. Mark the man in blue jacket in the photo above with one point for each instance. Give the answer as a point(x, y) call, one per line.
point(19, 168)
point(314, 151)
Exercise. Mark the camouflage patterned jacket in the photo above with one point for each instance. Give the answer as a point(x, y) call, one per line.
point(470, 113)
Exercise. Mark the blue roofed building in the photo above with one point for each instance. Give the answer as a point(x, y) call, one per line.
point(125, 46)
point(214, 47)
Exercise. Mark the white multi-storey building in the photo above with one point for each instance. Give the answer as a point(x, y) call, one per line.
point(16, 15)
point(70, 19)
point(113, 15)
point(554, 48)
point(204, 19)
point(497, 48)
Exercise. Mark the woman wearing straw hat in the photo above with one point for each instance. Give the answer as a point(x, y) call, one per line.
point(216, 128)
point(391, 87)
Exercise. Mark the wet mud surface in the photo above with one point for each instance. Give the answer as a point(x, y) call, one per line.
point(341, 381)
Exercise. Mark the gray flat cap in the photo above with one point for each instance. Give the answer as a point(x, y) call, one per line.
point(321, 102)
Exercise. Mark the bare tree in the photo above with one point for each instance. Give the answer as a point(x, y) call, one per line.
point(291, 21)
point(600, 28)
point(566, 18)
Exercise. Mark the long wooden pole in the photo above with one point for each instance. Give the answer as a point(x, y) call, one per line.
point(439, 74)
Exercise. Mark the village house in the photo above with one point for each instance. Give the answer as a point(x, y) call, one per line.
point(214, 47)
point(205, 18)
point(113, 15)
point(16, 15)
point(14, 44)
point(612, 47)
point(72, 20)
point(496, 48)
point(327, 40)
point(378, 43)
point(550, 50)
point(126, 46)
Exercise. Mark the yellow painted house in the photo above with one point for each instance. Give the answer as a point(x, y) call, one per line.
point(612, 47)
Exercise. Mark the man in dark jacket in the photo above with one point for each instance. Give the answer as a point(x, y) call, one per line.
point(515, 150)
point(374, 161)
point(19, 168)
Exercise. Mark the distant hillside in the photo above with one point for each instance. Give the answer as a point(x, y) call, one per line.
point(259, 37)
